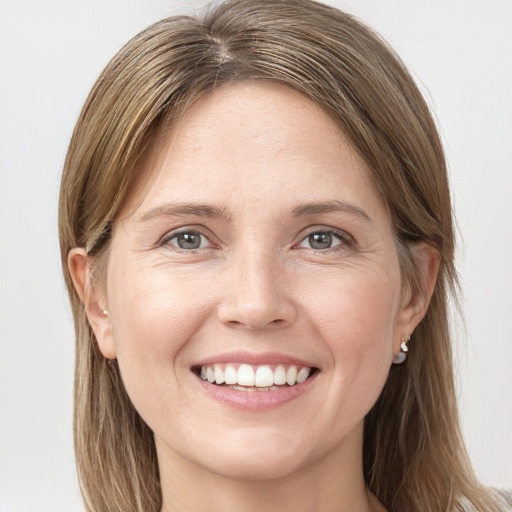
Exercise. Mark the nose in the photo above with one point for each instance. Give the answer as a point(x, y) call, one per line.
point(256, 297)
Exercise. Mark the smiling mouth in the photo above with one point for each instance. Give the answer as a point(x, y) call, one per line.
point(246, 377)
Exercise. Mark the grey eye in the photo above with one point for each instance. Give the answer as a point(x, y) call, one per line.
point(320, 240)
point(188, 240)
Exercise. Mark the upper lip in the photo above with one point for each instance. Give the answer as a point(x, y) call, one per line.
point(253, 358)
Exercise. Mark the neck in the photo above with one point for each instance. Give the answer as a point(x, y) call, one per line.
point(332, 483)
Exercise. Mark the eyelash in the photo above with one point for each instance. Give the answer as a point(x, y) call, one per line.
point(345, 239)
point(165, 241)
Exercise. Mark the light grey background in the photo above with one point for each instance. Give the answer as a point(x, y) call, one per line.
point(51, 51)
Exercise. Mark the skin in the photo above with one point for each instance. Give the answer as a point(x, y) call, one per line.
point(257, 283)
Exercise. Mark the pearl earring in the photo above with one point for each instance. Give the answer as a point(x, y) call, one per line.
point(402, 355)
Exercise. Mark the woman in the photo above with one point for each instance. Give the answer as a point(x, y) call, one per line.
point(257, 239)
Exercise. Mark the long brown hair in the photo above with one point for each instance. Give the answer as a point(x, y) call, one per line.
point(414, 456)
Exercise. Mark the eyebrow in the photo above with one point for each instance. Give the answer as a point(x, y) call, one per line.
point(214, 212)
point(330, 206)
point(173, 210)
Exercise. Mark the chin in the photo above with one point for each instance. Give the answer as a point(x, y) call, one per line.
point(259, 467)
point(250, 455)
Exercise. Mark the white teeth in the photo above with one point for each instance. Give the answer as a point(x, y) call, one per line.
point(219, 374)
point(291, 375)
point(245, 375)
point(303, 374)
point(280, 376)
point(264, 377)
point(261, 377)
point(230, 375)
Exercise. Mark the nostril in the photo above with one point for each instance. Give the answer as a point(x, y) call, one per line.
point(255, 325)
point(252, 316)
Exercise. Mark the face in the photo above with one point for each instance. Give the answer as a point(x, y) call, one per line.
point(258, 252)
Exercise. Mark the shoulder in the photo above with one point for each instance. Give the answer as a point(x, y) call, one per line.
point(506, 497)
point(502, 499)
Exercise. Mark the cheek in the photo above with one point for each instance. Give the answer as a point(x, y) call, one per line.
point(356, 310)
point(354, 318)
point(154, 310)
point(154, 315)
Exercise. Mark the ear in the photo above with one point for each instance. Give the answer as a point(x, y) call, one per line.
point(415, 303)
point(93, 300)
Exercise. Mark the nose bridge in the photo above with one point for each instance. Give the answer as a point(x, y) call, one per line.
point(256, 296)
point(256, 277)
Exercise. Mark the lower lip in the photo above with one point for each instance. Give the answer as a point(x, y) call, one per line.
point(256, 400)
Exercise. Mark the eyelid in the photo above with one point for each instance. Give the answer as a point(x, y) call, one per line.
point(346, 238)
point(200, 230)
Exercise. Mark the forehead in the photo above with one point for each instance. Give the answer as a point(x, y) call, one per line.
point(249, 143)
